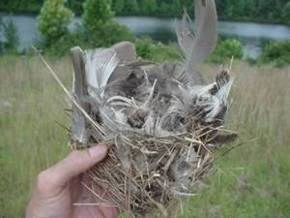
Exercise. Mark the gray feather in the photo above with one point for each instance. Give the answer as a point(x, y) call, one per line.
point(197, 46)
point(185, 34)
point(206, 34)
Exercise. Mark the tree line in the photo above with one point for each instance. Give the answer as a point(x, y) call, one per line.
point(254, 10)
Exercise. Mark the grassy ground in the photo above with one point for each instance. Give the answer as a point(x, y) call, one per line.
point(251, 181)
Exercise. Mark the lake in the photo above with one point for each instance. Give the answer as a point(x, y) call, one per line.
point(252, 35)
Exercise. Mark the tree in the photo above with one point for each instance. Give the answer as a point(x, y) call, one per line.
point(148, 6)
point(1, 43)
point(221, 6)
point(101, 29)
point(96, 13)
point(53, 20)
point(131, 6)
point(118, 6)
point(164, 8)
point(76, 6)
point(177, 8)
point(286, 12)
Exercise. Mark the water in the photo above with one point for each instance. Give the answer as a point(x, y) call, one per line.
point(252, 35)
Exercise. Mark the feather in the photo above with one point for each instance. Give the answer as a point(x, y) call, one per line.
point(99, 65)
point(197, 46)
point(218, 103)
point(224, 91)
point(223, 138)
point(79, 132)
point(185, 34)
point(160, 123)
point(214, 107)
point(206, 34)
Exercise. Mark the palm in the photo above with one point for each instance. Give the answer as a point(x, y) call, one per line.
point(93, 212)
point(83, 204)
point(58, 191)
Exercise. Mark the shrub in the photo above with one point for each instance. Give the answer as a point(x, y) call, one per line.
point(158, 52)
point(65, 43)
point(144, 47)
point(100, 28)
point(276, 53)
point(1, 43)
point(1, 48)
point(96, 13)
point(53, 20)
point(225, 50)
point(11, 39)
point(110, 33)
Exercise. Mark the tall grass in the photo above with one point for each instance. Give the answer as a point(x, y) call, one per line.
point(31, 140)
point(253, 180)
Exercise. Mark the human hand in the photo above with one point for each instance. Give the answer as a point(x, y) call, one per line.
point(59, 187)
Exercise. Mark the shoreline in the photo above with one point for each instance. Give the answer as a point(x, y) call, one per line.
point(242, 20)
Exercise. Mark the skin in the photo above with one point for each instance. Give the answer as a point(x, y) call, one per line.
point(59, 187)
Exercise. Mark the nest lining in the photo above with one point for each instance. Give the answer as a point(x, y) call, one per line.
point(162, 123)
point(150, 164)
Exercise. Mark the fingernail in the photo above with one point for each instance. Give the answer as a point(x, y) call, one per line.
point(98, 152)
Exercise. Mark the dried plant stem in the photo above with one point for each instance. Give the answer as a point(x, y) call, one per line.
point(71, 97)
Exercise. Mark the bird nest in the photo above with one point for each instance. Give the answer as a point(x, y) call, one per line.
point(162, 123)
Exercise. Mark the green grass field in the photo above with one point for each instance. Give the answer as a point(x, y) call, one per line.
point(253, 180)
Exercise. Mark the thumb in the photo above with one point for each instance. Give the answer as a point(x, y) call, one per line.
point(73, 165)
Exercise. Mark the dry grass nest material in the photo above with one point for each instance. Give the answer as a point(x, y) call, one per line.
point(161, 133)
point(162, 122)
point(142, 174)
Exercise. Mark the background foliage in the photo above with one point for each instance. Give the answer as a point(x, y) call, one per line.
point(99, 26)
point(96, 13)
point(276, 53)
point(254, 10)
point(156, 51)
point(99, 29)
point(251, 181)
point(225, 50)
point(96, 29)
point(10, 34)
point(53, 20)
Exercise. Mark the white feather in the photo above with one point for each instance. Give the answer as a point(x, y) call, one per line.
point(99, 65)
point(201, 91)
point(224, 91)
point(214, 107)
point(218, 101)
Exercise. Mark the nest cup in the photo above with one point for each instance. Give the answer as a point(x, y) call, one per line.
point(151, 173)
point(144, 172)
point(162, 123)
